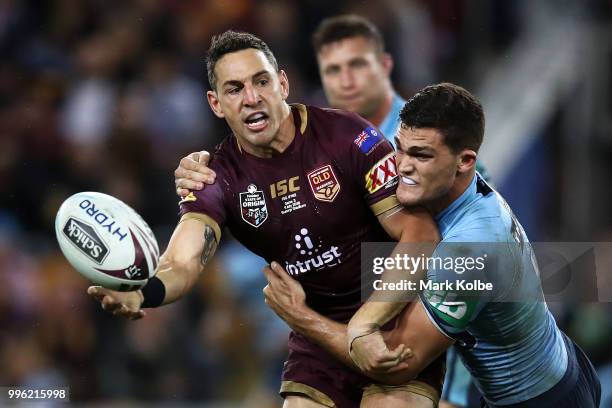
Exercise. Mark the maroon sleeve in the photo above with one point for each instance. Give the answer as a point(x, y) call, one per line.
point(372, 160)
point(208, 201)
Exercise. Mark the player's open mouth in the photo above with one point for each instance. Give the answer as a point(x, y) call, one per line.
point(256, 121)
point(409, 181)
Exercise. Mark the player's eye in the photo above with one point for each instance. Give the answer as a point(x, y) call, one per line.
point(358, 63)
point(422, 157)
point(332, 70)
point(232, 91)
point(263, 82)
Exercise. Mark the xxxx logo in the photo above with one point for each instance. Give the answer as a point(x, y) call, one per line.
point(381, 173)
point(323, 183)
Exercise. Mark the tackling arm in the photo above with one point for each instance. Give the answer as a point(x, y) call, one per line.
point(286, 297)
point(365, 342)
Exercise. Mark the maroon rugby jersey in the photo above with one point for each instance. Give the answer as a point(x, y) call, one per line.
point(310, 207)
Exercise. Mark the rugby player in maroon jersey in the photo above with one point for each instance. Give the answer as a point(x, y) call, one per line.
point(303, 187)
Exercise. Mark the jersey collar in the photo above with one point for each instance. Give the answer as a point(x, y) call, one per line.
point(447, 215)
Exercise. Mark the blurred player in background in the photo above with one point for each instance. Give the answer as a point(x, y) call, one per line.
point(355, 72)
point(302, 186)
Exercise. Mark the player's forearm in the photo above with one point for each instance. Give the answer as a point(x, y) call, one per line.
point(325, 332)
point(178, 278)
point(376, 313)
point(180, 268)
point(417, 235)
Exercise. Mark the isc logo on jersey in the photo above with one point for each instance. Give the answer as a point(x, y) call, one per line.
point(382, 174)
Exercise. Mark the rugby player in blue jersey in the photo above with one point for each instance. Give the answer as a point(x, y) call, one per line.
point(511, 345)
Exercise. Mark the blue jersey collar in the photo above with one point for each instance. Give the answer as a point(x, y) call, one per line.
point(390, 124)
point(447, 215)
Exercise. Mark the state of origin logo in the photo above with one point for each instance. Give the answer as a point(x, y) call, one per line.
point(317, 257)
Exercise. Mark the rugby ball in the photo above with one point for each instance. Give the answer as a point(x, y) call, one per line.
point(106, 241)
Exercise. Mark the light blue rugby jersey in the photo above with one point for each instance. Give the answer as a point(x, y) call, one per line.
point(514, 350)
point(391, 122)
point(455, 390)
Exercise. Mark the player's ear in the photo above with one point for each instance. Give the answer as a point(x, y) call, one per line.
point(284, 83)
point(466, 160)
point(387, 62)
point(213, 101)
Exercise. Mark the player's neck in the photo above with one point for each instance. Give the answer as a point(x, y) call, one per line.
point(383, 110)
point(462, 182)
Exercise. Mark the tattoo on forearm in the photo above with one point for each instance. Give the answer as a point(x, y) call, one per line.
point(210, 243)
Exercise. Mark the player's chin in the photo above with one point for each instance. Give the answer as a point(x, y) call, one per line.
point(407, 196)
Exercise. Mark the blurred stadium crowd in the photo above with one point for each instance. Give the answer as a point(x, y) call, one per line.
point(107, 96)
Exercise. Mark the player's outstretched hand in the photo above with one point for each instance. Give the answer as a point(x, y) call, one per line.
point(372, 355)
point(125, 304)
point(193, 172)
point(283, 294)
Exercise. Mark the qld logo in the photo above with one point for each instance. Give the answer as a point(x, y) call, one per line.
point(253, 206)
point(324, 184)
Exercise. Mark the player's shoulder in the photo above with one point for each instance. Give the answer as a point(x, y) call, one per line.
point(345, 132)
point(336, 124)
point(225, 156)
point(334, 116)
point(485, 218)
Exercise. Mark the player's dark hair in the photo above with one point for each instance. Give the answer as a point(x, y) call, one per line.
point(345, 26)
point(233, 41)
point(450, 109)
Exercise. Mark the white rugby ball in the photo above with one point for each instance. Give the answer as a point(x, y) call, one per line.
point(106, 241)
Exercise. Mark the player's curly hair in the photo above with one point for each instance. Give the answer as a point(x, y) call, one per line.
point(232, 41)
point(450, 109)
point(345, 26)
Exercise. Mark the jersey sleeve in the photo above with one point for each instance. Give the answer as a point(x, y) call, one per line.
point(206, 205)
point(458, 286)
point(372, 160)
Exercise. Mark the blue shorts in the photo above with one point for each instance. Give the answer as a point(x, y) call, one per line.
point(578, 388)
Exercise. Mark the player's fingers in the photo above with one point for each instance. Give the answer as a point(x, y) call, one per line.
point(188, 163)
point(97, 292)
point(109, 304)
point(204, 158)
point(200, 165)
point(280, 272)
point(407, 354)
point(399, 367)
point(188, 184)
point(394, 356)
point(201, 174)
point(269, 274)
point(195, 156)
point(385, 366)
point(182, 192)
